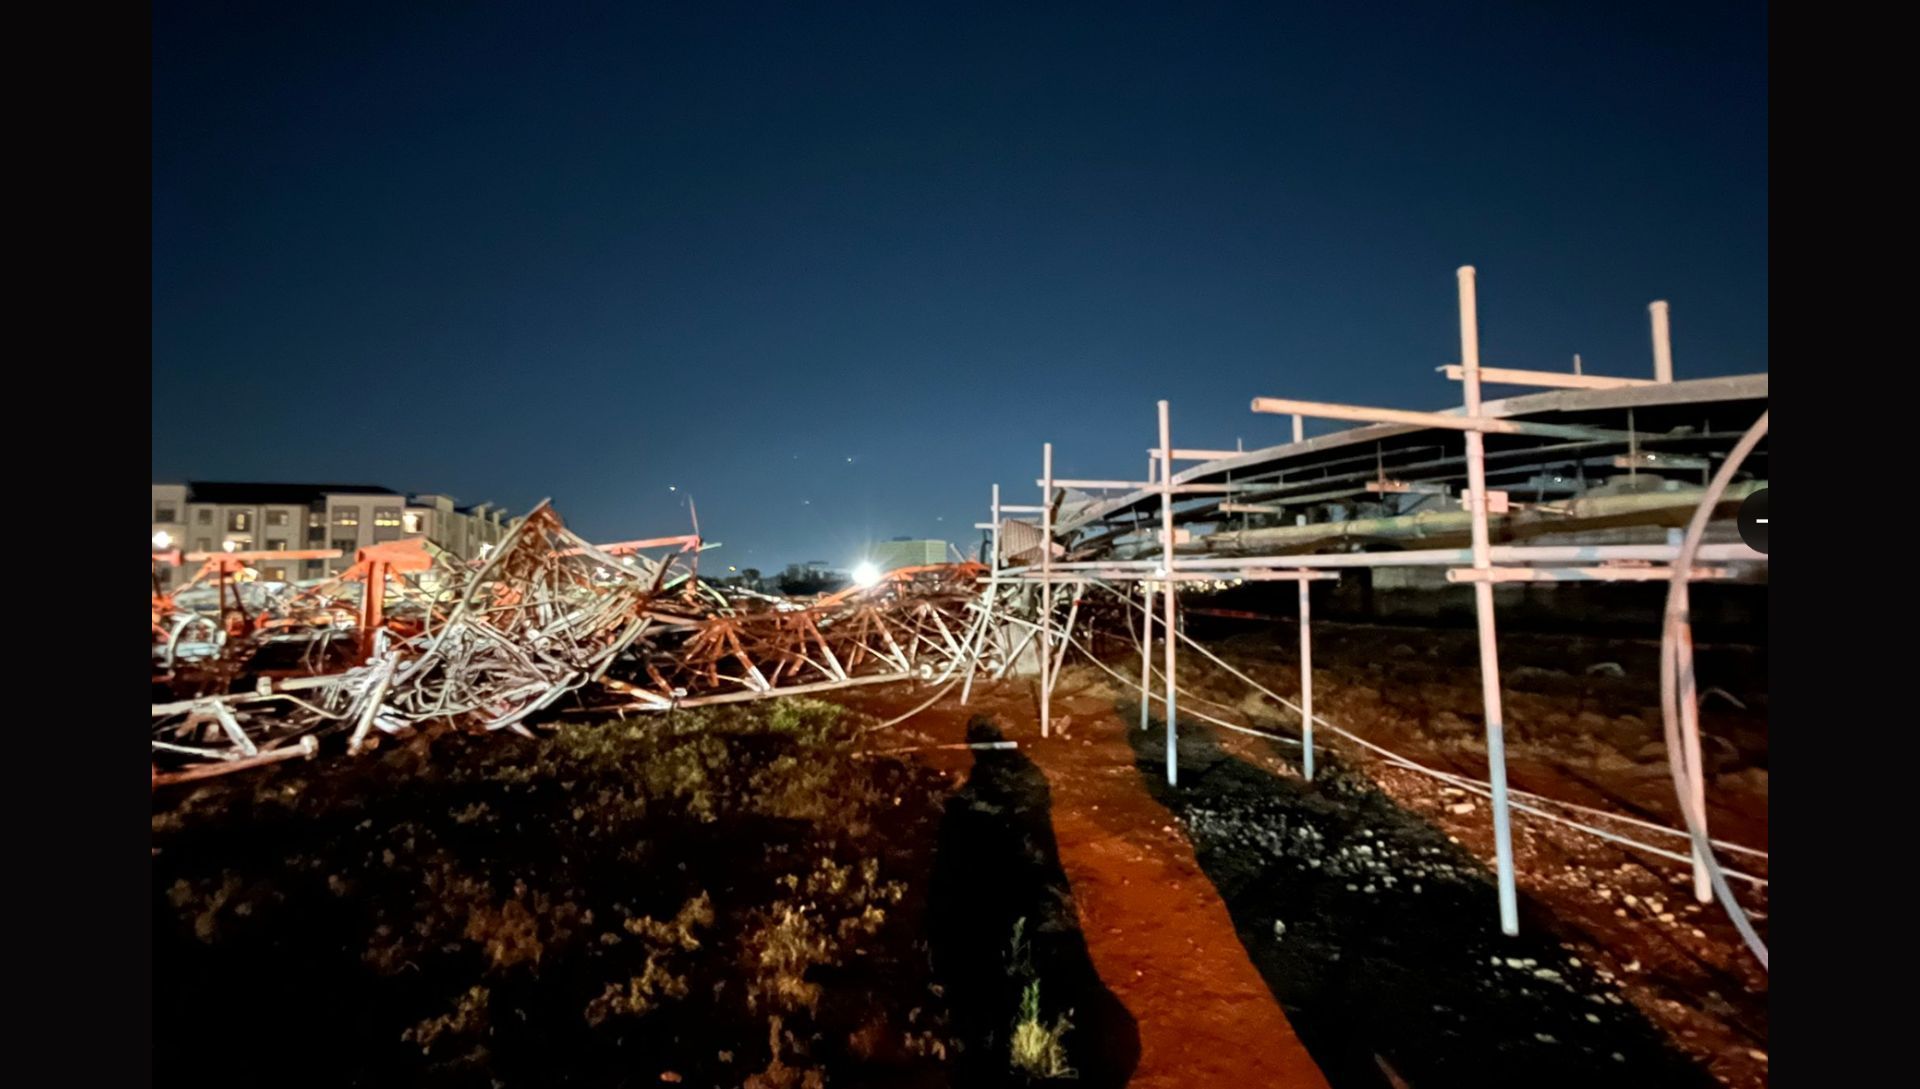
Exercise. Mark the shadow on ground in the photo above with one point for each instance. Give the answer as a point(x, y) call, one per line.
point(1002, 918)
point(1379, 936)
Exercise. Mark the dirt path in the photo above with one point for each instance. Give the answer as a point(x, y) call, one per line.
point(1158, 932)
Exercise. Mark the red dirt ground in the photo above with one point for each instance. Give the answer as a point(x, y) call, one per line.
point(1158, 933)
point(1588, 738)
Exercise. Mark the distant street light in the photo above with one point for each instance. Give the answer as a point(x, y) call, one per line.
point(162, 541)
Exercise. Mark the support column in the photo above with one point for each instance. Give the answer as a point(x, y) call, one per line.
point(1690, 744)
point(1146, 652)
point(1046, 584)
point(1066, 637)
point(1483, 608)
point(1168, 591)
point(1306, 680)
point(993, 599)
point(1662, 342)
point(373, 602)
point(1689, 755)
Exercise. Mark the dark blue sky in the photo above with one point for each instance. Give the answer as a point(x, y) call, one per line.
point(515, 251)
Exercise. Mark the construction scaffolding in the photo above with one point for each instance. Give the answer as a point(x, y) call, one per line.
point(1293, 513)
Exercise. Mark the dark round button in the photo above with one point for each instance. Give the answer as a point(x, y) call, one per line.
point(1753, 521)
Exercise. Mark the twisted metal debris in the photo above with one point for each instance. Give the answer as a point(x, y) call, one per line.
point(547, 621)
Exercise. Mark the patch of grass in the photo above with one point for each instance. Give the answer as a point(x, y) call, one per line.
point(1020, 951)
point(1038, 1049)
point(1035, 1048)
point(467, 1020)
point(637, 894)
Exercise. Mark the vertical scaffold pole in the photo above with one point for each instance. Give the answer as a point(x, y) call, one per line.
point(1662, 342)
point(1066, 636)
point(1483, 607)
point(993, 595)
point(1168, 591)
point(1146, 652)
point(1690, 746)
point(1146, 626)
point(1689, 756)
point(1306, 680)
point(1046, 582)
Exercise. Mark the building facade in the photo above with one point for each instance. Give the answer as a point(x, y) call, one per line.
point(907, 552)
point(206, 516)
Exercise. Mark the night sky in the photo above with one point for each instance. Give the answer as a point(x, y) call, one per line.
point(834, 269)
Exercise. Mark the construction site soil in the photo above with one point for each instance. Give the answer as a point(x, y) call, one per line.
point(780, 895)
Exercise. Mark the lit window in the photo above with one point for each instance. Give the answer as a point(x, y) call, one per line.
point(239, 521)
point(275, 574)
point(346, 516)
point(276, 546)
point(316, 519)
point(386, 516)
point(276, 518)
point(413, 522)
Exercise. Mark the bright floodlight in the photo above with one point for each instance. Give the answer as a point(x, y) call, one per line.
point(162, 541)
point(865, 575)
point(230, 545)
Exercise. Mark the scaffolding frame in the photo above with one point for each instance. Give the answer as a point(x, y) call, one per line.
point(1482, 564)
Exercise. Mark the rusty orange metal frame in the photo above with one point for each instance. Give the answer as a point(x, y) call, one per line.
point(688, 542)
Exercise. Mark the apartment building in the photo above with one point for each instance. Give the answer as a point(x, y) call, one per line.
point(207, 516)
point(907, 552)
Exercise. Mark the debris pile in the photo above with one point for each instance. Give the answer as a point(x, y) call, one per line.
point(545, 621)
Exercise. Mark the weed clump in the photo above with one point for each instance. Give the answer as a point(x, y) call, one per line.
point(467, 1020)
point(1038, 1049)
point(1035, 1048)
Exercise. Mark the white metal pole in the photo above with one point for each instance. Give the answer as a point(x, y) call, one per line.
point(1690, 744)
point(1299, 428)
point(1046, 586)
point(1306, 681)
point(994, 567)
point(1662, 342)
point(1066, 637)
point(1168, 590)
point(1483, 608)
point(993, 594)
point(1690, 758)
point(1146, 654)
